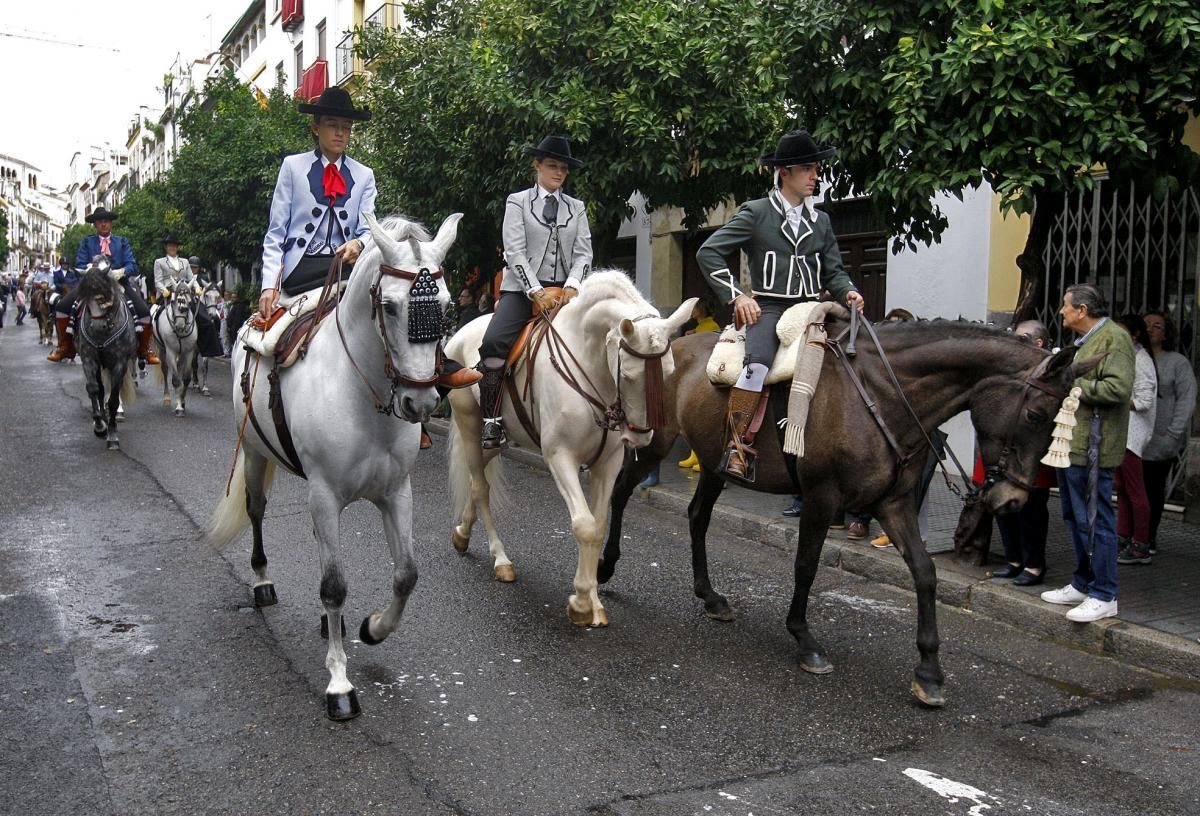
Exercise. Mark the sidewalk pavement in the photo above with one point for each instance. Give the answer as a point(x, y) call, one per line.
point(1159, 622)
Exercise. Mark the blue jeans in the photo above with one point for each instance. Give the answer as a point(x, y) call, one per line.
point(1095, 575)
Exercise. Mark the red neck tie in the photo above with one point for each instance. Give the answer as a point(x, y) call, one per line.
point(335, 185)
point(105, 244)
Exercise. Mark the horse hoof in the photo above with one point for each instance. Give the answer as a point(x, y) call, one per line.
point(120, 416)
point(931, 696)
point(364, 633)
point(264, 595)
point(325, 626)
point(342, 707)
point(100, 431)
point(596, 617)
point(460, 542)
point(719, 610)
point(113, 445)
point(815, 663)
point(505, 573)
point(178, 412)
point(205, 392)
point(166, 401)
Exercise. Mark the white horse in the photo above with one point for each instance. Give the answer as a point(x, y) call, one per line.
point(605, 340)
point(176, 336)
point(374, 362)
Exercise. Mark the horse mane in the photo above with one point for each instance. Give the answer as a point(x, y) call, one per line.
point(401, 228)
point(604, 284)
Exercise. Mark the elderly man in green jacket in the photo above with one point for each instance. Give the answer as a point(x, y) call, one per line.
point(1097, 448)
point(793, 255)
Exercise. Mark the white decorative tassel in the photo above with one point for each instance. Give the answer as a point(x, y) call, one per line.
point(1059, 455)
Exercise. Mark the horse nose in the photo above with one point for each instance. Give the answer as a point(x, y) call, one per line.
point(419, 407)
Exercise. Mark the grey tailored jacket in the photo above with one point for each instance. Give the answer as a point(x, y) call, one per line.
point(168, 272)
point(782, 263)
point(535, 250)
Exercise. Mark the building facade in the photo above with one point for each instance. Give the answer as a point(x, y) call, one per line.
point(36, 214)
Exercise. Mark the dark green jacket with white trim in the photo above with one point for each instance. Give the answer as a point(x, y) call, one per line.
point(782, 263)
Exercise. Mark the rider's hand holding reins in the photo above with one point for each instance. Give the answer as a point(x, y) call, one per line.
point(544, 300)
point(267, 301)
point(746, 310)
point(568, 295)
point(855, 300)
point(349, 251)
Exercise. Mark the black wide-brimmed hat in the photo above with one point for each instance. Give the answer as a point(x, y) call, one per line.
point(797, 147)
point(555, 147)
point(336, 102)
point(171, 239)
point(100, 214)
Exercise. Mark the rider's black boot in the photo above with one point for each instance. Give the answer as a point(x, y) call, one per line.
point(489, 407)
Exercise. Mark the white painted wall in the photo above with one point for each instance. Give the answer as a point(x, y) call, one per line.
point(948, 279)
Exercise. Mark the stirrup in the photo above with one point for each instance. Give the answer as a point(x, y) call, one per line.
point(749, 456)
point(497, 438)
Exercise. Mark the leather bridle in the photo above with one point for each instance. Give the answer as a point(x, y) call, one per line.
point(999, 471)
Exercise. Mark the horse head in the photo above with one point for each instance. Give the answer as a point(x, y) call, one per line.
point(409, 299)
point(98, 285)
point(181, 308)
point(638, 349)
point(1014, 418)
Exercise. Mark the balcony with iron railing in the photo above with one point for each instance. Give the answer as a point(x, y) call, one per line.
point(314, 80)
point(347, 64)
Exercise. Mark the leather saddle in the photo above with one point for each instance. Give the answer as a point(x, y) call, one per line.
point(533, 329)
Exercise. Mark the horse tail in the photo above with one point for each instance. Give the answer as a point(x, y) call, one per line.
point(229, 517)
point(128, 386)
point(459, 470)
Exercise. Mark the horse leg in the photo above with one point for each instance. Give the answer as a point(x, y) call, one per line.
point(899, 518)
point(255, 469)
point(708, 490)
point(341, 701)
point(468, 424)
point(636, 467)
point(185, 377)
point(204, 390)
point(397, 526)
point(818, 511)
point(166, 374)
point(116, 376)
point(584, 607)
point(95, 389)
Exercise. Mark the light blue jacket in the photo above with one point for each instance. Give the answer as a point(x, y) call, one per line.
point(300, 212)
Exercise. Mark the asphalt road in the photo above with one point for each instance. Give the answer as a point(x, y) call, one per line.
point(137, 677)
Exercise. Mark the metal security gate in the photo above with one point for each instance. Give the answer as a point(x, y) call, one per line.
point(1141, 253)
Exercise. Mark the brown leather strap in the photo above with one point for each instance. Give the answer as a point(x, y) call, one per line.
point(275, 402)
point(519, 408)
point(757, 420)
point(247, 394)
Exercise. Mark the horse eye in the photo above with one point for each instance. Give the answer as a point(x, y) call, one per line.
point(390, 308)
point(1036, 417)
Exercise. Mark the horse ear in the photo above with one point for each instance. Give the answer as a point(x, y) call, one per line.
point(387, 246)
point(446, 234)
point(626, 328)
point(1059, 363)
point(681, 315)
point(1081, 367)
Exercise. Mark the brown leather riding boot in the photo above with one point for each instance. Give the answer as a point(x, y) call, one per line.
point(66, 342)
point(145, 350)
point(739, 455)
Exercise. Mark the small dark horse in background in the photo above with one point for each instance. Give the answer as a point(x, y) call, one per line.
point(1012, 390)
point(107, 346)
point(39, 307)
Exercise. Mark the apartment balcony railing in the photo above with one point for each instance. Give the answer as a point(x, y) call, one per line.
point(314, 80)
point(293, 14)
point(389, 15)
point(346, 64)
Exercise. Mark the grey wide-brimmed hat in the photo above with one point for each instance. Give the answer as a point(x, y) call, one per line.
point(797, 147)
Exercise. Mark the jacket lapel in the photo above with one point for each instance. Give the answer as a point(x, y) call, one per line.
point(348, 177)
point(316, 184)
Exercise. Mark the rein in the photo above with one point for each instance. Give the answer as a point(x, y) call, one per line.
point(114, 332)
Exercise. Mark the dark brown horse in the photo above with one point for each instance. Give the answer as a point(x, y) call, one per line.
point(1012, 390)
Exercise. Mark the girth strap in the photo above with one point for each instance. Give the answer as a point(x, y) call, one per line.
point(275, 400)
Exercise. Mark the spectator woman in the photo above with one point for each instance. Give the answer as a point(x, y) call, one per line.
point(1173, 416)
point(1133, 510)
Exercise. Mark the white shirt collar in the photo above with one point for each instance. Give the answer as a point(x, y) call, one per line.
point(542, 192)
point(341, 162)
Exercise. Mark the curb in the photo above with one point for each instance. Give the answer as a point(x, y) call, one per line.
point(1130, 642)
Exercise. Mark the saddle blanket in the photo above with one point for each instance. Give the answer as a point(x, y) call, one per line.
point(729, 355)
point(263, 340)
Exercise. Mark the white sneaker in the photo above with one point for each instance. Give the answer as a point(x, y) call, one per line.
point(1093, 609)
point(1067, 596)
